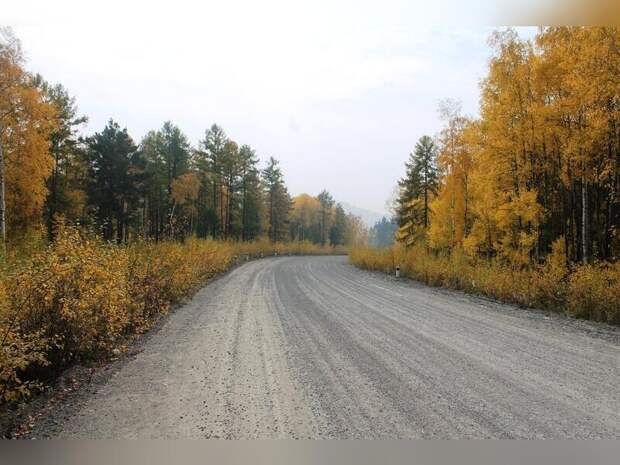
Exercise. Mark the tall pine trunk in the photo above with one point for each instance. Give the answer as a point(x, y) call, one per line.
point(271, 225)
point(228, 206)
point(214, 205)
point(243, 220)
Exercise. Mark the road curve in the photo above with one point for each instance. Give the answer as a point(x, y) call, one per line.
point(310, 347)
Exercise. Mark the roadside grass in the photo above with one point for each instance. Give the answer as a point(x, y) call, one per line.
point(80, 299)
point(584, 291)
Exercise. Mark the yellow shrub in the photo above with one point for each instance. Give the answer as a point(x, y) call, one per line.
point(594, 292)
point(551, 279)
point(372, 259)
point(161, 274)
point(591, 291)
point(18, 351)
point(75, 293)
point(265, 247)
point(79, 298)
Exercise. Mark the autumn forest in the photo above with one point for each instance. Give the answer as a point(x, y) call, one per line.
point(540, 165)
point(101, 234)
point(522, 203)
point(159, 188)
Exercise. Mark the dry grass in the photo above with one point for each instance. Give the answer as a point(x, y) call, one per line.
point(80, 298)
point(590, 291)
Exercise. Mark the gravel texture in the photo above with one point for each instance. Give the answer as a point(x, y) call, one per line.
point(310, 347)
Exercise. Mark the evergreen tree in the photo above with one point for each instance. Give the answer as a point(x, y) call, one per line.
point(277, 199)
point(382, 233)
point(250, 193)
point(210, 159)
point(113, 179)
point(154, 185)
point(327, 202)
point(166, 157)
point(174, 150)
point(425, 162)
point(417, 189)
point(66, 189)
point(231, 178)
point(339, 228)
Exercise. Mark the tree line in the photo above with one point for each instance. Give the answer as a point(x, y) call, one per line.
point(382, 233)
point(539, 169)
point(159, 188)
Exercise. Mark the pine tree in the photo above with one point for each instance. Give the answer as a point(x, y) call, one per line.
point(250, 193)
point(382, 233)
point(113, 181)
point(210, 164)
point(277, 199)
point(66, 190)
point(231, 178)
point(327, 202)
point(417, 189)
point(339, 228)
point(166, 156)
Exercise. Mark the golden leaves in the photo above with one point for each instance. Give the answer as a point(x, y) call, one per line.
point(185, 187)
point(80, 298)
point(26, 123)
point(547, 131)
point(587, 291)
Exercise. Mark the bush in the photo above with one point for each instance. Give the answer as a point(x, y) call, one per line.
point(594, 292)
point(80, 298)
point(75, 293)
point(584, 291)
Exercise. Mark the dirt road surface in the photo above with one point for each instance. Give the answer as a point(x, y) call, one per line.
point(310, 347)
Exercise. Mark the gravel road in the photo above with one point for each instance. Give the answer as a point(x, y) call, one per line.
point(310, 347)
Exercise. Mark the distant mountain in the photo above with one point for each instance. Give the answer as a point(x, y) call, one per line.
point(368, 217)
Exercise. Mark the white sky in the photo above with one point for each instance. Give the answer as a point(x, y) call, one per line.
point(338, 91)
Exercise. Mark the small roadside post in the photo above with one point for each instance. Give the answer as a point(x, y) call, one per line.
point(398, 271)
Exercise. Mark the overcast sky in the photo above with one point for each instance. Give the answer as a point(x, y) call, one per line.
point(339, 92)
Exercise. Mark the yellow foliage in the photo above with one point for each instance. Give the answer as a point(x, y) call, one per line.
point(413, 230)
point(80, 297)
point(26, 123)
point(185, 187)
point(518, 218)
point(450, 210)
point(594, 292)
point(76, 292)
point(591, 291)
point(306, 210)
point(547, 131)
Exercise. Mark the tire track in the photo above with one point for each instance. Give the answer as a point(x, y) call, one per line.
point(310, 347)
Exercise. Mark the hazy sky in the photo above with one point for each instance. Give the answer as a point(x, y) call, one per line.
point(338, 91)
